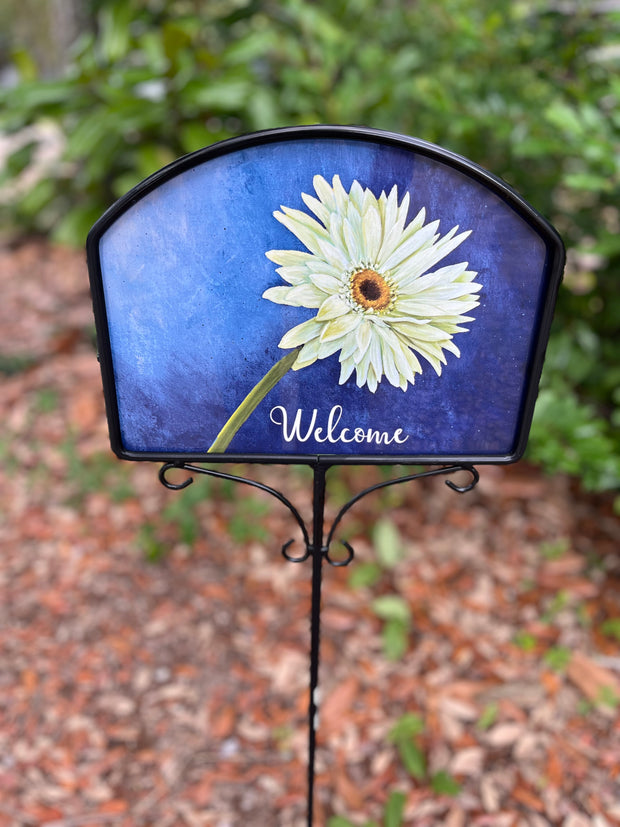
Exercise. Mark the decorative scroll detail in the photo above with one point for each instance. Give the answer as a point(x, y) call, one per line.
point(309, 548)
point(197, 469)
point(452, 469)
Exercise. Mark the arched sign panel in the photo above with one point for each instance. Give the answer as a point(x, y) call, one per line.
point(320, 294)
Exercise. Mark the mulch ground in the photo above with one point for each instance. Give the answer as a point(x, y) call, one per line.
point(154, 644)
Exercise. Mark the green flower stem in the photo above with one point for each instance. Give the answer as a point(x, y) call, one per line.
point(252, 400)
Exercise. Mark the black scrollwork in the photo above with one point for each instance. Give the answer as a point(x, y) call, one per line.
point(197, 469)
point(337, 562)
point(334, 561)
point(451, 469)
point(463, 489)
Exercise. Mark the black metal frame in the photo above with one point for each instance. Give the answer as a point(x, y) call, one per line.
point(317, 548)
point(554, 268)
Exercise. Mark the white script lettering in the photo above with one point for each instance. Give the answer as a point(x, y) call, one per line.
point(330, 432)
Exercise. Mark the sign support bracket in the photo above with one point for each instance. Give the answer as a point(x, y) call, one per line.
point(318, 550)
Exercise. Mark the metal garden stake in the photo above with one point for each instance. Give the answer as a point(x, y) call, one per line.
point(322, 296)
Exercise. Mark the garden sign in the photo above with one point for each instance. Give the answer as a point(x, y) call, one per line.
point(322, 295)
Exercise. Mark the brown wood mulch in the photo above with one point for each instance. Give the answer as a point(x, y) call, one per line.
point(173, 691)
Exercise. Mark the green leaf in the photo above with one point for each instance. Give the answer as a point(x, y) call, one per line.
point(36, 199)
point(194, 136)
point(114, 23)
point(525, 641)
point(444, 784)
point(395, 637)
point(394, 809)
point(611, 628)
point(413, 759)
point(251, 47)
point(488, 716)
point(176, 39)
point(25, 64)
point(406, 727)
point(75, 226)
point(339, 821)
point(589, 182)
point(152, 548)
point(152, 157)
point(364, 575)
point(19, 160)
point(263, 110)
point(223, 95)
point(565, 119)
point(391, 607)
point(388, 543)
point(557, 658)
point(87, 135)
point(607, 696)
point(555, 549)
point(37, 95)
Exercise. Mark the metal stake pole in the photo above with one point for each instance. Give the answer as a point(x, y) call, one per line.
point(318, 514)
point(319, 551)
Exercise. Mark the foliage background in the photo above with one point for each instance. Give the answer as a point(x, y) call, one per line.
point(529, 89)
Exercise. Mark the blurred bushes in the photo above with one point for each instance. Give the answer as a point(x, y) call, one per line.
point(528, 89)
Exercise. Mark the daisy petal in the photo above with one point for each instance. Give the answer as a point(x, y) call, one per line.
point(279, 295)
point(305, 295)
point(307, 355)
point(332, 308)
point(288, 257)
point(325, 192)
point(308, 235)
point(354, 243)
point(301, 334)
point(325, 282)
point(340, 195)
point(317, 207)
point(372, 232)
point(363, 337)
point(347, 366)
point(336, 328)
point(417, 241)
point(295, 274)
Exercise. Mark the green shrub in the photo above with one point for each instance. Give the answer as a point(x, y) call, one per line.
point(528, 90)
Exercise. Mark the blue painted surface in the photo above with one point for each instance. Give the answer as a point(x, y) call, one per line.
point(184, 270)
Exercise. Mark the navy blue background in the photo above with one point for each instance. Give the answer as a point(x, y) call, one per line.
point(184, 270)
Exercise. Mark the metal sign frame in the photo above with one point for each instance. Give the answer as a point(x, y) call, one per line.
point(538, 282)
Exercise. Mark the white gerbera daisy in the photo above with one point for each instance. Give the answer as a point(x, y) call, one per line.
point(369, 277)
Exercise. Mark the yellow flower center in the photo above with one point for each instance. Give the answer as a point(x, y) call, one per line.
point(370, 290)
